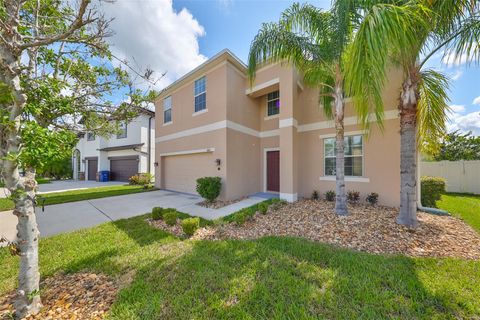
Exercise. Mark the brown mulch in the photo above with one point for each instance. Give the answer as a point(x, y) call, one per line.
point(367, 228)
point(176, 229)
point(217, 204)
point(75, 297)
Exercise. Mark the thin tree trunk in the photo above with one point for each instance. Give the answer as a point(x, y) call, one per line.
point(341, 197)
point(408, 151)
point(23, 194)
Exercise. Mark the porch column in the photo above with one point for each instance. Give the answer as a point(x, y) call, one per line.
point(288, 136)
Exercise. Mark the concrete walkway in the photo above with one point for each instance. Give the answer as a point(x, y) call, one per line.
point(73, 216)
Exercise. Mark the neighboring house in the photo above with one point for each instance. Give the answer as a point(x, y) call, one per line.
point(125, 154)
point(271, 136)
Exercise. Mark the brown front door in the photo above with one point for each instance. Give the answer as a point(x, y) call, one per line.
point(92, 169)
point(273, 171)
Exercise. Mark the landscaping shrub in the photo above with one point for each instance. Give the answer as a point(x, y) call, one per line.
point(190, 225)
point(330, 195)
point(240, 218)
point(277, 204)
point(432, 189)
point(263, 207)
point(315, 195)
point(372, 198)
point(157, 213)
point(141, 179)
point(170, 217)
point(353, 196)
point(209, 187)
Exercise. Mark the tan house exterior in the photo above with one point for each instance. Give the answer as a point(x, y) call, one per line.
point(236, 135)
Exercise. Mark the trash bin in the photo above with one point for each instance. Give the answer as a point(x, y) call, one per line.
point(104, 176)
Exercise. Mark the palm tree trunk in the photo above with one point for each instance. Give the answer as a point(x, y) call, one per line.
point(341, 197)
point(408, 151)
point(23, 193)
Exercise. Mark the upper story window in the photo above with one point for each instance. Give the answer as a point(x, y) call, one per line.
point(90, 136)
point(122, 130)
point(353, 156)
point(167, 109)
point(273, 103)
point(200, 94)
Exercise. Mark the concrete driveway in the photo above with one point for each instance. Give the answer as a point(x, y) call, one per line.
point(72, 216)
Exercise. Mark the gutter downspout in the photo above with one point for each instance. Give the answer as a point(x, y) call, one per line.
point(149, 151)
point(435, 211)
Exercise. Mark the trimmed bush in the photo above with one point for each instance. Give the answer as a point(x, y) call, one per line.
point(372, 198)
point(315, 195)
point(157, 213)
point(263, 207)
point(240, 218)
point(190, 225)
point(209, 187)
point(141, 179)
point(432, 189)
point(330, 195)
point(353, 196)
point(170, 217)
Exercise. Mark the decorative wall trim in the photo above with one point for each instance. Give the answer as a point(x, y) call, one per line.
point(290, 122)
point(347, 179)
point(290, 197)
point(391, 114)
point(199, 112)
point(178, 153)
point(262, 85)
point(124, 158)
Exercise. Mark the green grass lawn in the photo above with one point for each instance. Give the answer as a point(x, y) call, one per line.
point(78, 195)
point(465, 206)
point(270, 278)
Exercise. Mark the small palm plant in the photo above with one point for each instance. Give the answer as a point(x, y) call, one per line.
point(408, 34)
point(316, 43)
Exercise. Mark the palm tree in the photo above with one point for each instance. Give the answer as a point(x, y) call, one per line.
point(316, 43)
point(408, 34)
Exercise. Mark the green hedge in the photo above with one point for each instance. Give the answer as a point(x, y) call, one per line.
point(432, 189)
point(209, 187)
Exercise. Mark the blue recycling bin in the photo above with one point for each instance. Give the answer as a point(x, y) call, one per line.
point(104, 176)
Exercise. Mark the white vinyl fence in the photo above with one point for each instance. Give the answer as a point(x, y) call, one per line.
point(461, 176)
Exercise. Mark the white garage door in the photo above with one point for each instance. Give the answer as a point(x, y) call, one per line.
point(181, 172)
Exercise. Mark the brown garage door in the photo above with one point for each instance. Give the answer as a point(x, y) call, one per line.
point(92, 169)
point(122, 169)
point(181, 172)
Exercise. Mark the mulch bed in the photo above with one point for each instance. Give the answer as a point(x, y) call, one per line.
point(367, 228)
point(75, 297)
point(217, 204)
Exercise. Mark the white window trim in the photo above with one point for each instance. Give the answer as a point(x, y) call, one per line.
point(199, 112)
point(196, 95)
point(265, 150)
point(170, 108)
point(347, 178)
point(266, 106)
point(167, 123)
point(126, 132)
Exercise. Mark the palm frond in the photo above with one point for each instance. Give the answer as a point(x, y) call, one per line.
point(432, 111)
point(386, 30)
point(274, 43)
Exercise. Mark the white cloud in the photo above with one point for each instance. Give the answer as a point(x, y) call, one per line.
point(456, 75)
point(465, 123)
point(476, 100)
point(457, 108)
point(152, 34)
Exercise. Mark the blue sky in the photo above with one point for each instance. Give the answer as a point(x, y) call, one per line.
point(177, 36)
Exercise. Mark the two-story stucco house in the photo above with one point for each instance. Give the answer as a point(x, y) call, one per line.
point(125, 154)
point(271, 136)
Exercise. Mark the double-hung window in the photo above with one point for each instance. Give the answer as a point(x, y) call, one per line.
point(273, 103)
point(167, 109)
point(200, 94)
point(122, 130)
point(353, 156)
